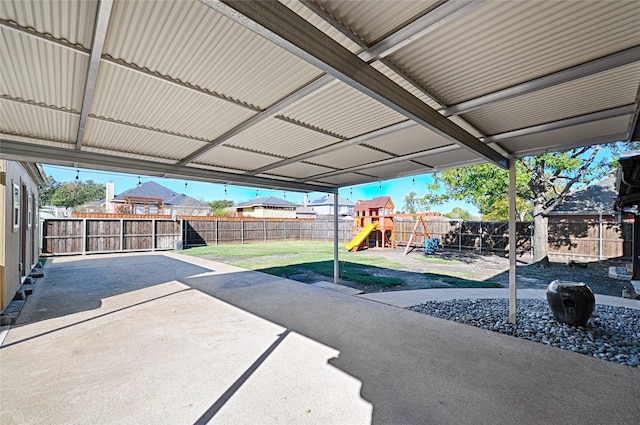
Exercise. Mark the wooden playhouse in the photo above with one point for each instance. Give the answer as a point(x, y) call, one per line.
point(373, 224)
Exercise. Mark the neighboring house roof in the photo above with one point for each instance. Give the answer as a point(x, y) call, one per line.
point(379, 202)
point(596, 198)
point(328, 200)
point(268, 201)
point(155, 190)
point(305, 211)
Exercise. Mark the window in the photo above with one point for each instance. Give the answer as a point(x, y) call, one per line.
point(30, 211)
point(16, 206)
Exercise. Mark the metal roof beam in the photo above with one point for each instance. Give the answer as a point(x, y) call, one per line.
point(567, 122)
point(336, 146)
point(604, 63)
point(267, 113)
point(20, 151)
point(419, 28)
point(402, 37)
point(285, 28)
point(389, 161)
point(99, 34)
point(634, 125)
point(556, 147)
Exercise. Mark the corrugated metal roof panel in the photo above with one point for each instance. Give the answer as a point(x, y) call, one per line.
point(298, 171)
point(129, 155)
point(124, 94)
point(372, 20)
point(34, 141)
point(500, 44)
point(616, 87)
point(118, 138)
point(349, 157)
point(351, 179)
point(34, 121)
point(214, 168)
point(397, 169)
point(191, 42)
point(402, 82)
point(24, 60)
point(226, 157)
point(63, 19)
point(445, 159)
point(342, 110)
point(281, 138)
point(587, 134)
point(466, 126)
point(413, 139)
point(321, 24)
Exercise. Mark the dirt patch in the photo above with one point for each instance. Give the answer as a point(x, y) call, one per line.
point(490, 269)
point(450, 269)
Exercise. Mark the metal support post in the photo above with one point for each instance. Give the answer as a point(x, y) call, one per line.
point(336, 261)
point(512, 240)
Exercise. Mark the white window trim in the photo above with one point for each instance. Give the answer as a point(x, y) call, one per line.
point(16, 206)
point(30, 211)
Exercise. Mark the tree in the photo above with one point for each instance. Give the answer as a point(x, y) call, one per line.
point(218, 208)
point(47, 190)
point(413, 204)
point(459, 213)
point(542, 183)
point(73, 194)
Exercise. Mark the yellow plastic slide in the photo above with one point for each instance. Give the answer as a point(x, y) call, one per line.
point(363, 234)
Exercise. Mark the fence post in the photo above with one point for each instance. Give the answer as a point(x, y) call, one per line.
point(460, 236)
point(284, 225)
point(531, 240)
point(600, 238)
point(242, 232)
point(327, 234)
point(153, 234)
point(122, 234)
point(216, 233)
point(264, 230)
point(84, 236)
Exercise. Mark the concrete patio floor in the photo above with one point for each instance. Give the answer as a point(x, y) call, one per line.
point(163, 338)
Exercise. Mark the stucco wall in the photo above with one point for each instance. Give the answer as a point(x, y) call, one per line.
point(14, 240)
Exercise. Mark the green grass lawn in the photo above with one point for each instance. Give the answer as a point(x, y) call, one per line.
point(295, 257)
point(290, 258)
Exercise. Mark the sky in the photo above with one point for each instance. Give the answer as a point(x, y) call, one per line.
point(396, 188)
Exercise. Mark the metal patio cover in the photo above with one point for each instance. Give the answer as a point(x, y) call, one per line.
point(312, 95)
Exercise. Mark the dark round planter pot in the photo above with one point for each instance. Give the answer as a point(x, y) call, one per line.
point(570, 302)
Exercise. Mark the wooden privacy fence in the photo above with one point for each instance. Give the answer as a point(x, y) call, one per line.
point(567, 241)
point(488, 237)
point(578, 241)
point(88, 236)
point(588, 241)
point(222, 231)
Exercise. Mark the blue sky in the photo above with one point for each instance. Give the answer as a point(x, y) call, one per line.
point(396, 188)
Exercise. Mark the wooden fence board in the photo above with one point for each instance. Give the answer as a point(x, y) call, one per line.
point(567, 240)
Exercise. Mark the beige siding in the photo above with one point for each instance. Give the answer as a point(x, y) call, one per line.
point(12, 271)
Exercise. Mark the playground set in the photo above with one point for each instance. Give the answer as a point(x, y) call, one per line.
point(374, 227)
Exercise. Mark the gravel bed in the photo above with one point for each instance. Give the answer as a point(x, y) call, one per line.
point(612, 333)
